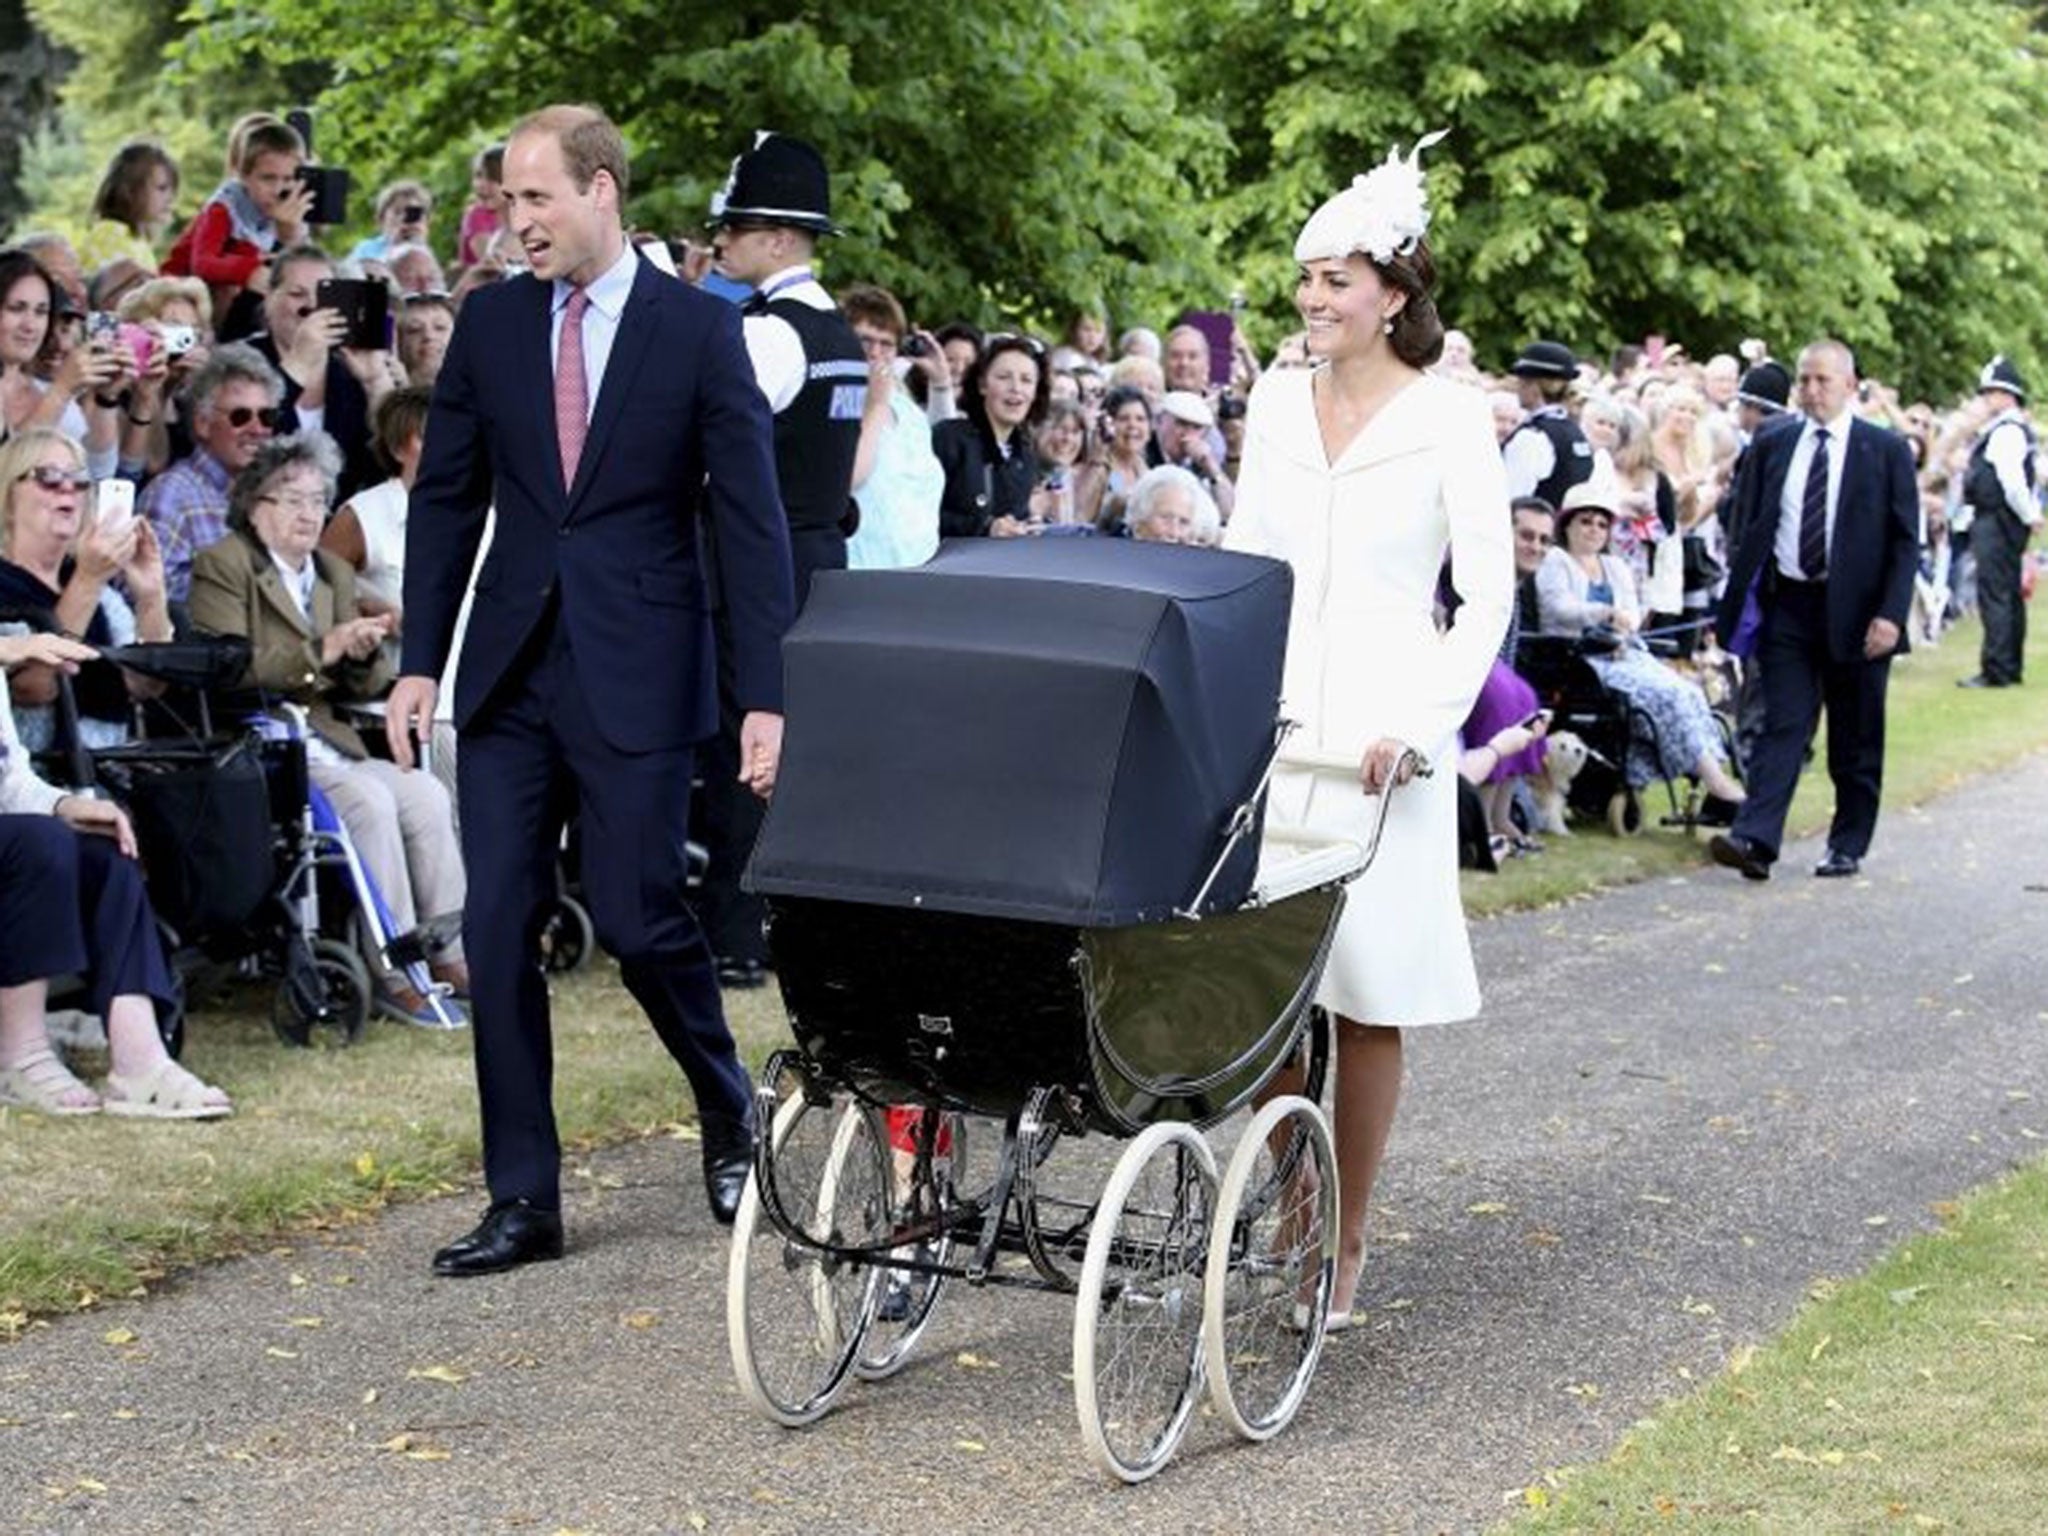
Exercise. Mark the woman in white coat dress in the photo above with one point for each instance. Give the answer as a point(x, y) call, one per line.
point(1363, 473)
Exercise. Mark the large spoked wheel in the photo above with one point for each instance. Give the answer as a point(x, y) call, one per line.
point(1138, 1317)
point(568, 938)
point(795, 1312)
point(903, 1310)
point(1272, 1261)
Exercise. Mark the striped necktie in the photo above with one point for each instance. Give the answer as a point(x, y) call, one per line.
point(1813, 512)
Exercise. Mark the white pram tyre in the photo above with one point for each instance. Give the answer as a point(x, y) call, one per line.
point(1272, 1262)
point(795, 1312)
point(1138, 1314)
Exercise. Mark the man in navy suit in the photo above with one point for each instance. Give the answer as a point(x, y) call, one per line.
point(1827, 514)
point(590, 400)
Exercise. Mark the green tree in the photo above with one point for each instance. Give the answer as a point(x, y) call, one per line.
point(1702, 168)
point(1012, 160)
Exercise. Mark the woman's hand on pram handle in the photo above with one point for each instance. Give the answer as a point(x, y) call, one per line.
point(1388, 764)
point(100, 818)
point(409, 717)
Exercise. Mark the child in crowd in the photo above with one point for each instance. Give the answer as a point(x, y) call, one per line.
point(485, 213)
point(259, 209)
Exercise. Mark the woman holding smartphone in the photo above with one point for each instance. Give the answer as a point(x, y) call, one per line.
point(64, 556)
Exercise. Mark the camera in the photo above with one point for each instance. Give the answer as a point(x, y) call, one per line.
point(179, 339)
point(912, 346)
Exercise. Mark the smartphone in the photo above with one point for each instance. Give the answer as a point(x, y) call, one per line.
point(364, 304)
point(113, 504)
point(102, 328)
point(300, 121)
point(330, 193)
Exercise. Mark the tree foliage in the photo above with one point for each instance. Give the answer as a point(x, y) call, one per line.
point(1700, 168)
point(1707, 169)
point(1005, 159)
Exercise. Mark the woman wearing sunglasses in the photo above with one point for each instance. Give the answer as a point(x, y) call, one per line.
point(101, 579)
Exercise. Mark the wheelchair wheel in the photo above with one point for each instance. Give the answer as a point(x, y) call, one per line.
point(904, 1308)
point(796, 1313)
point(325, 1000)
point(1138, 1316)
point(568, 938)
point(1272, 1261)
point(1624, 813)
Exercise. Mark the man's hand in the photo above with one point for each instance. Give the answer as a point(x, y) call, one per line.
point(1881, 639)
point(99, 818)
point(760, 750)
point(57, 651)
point(410, 711)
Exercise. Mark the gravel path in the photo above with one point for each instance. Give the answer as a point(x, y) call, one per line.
point(1688, 1101)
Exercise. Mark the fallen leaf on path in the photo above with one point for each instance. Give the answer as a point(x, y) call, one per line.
point(969, 1445)
point(369, 1397)
point(640, 1320)
point(427, 1453)
point(281, 1354)
point(1815, 1353)
point(968, 1360)
point(1486, 1208)
point(441, 1373)
point(309, 1322)
point(118, 1336)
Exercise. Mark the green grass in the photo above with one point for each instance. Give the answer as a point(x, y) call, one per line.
point(99, 1207)
point(1937, 735)
point(1909, 1399)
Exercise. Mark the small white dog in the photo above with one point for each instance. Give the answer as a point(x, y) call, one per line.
point(1552, 784)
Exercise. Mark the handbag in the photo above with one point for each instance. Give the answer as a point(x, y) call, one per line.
point(1702, 570)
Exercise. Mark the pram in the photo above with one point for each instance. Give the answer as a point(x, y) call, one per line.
point(1013, 875)
point(238, 845)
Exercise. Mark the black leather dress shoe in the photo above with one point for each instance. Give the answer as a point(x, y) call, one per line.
point(735, 972)
point(725, 1178)
point(1837, 866)
point(1732, 851)
point(1981, 681)
point(518, 1232)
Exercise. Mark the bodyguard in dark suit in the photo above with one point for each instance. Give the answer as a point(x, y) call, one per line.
point(589, 399)
point(1828, 516)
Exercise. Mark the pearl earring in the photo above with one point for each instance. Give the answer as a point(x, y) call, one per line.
point(1387, 328)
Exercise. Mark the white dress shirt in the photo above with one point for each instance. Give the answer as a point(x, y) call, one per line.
point(1792, 499)
point(608, 294)
point(2006, 452)
point(772, 342)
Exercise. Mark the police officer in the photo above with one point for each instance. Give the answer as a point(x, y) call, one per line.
point(767, 221)
point(1999, 487)
point(1547, 454)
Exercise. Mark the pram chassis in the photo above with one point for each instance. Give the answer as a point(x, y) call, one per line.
point(1182, 1273)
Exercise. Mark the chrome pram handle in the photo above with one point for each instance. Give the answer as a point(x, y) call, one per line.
point(1410, 764)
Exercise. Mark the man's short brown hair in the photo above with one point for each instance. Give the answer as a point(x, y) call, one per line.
point(590, 142)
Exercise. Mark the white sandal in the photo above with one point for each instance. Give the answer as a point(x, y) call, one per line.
point(39, 1082)
point(166, 1092)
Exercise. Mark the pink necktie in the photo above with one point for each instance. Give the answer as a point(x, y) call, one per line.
point(572, 392)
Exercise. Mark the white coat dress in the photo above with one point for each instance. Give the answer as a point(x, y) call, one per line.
point(1366, 537)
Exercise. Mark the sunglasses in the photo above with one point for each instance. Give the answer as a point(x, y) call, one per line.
point(1030, 344)
point(412, 213)
point(51, 478)
point(264, 415)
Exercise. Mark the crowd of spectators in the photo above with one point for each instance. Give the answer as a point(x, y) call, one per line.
point(273, 451)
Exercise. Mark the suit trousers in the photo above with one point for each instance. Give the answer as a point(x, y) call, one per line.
point(1800, 680)
point(2000, 540)
point(531, 757)
point(72, 903)
point(731, 821)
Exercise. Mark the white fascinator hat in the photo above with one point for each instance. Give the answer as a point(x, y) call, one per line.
point(1380, 215)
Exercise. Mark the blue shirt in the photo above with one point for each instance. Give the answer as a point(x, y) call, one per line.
point(608, 294)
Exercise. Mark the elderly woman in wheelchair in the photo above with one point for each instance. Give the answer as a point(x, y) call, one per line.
point(1587, 593)
point(313, 647)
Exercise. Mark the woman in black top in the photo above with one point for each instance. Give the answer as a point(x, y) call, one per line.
point(991, 466)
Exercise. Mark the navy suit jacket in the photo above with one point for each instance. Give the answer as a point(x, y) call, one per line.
point(679, 430)
point(1876, 547)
